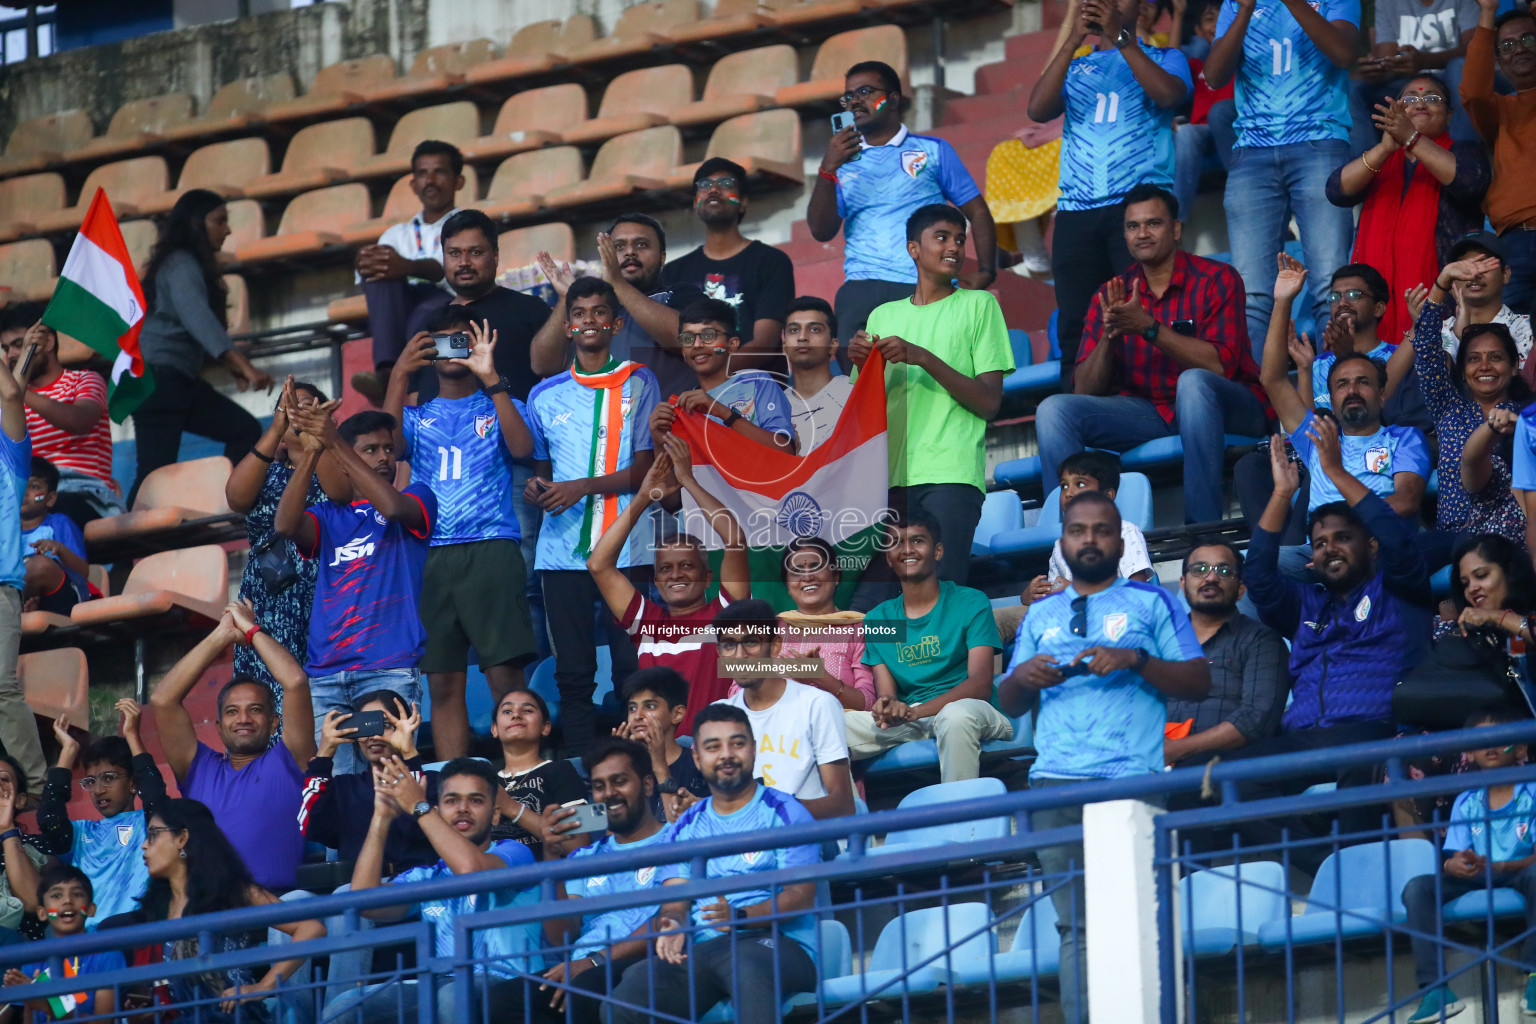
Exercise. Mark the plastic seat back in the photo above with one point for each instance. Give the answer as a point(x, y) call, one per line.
point(1134, 500)
point(51, 133)
point(759, 72)
point(1000, 510)
point(1210, 898)
point(647, 91)
point(656, 16)
point(840, 52)
point(139, 236)
point(21, 198)
point(56, 682)
point(914, 938)
point(535, 173)
point(834, 953)
point(354, 76)
point(651, 153)
point(326, 209)
point(247, 96)
point(1037, 926)
point(452, 58)
point(521, 246)
point(1370, 875)
point(128, 181)
point(450, 122)
point(151, 115)
point(959, 832)
point(246, 223)
point(231, 163)
point(772, 136)
point(197, 485)
point(537, 39)
point(553, 108)
point(402, 204)
point(201, 573)
point(237, 304)
point(343, 144)
point(27, 265)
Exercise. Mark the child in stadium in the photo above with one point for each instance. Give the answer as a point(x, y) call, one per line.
point(52, 544)
point(656, 702)
point(66, 902)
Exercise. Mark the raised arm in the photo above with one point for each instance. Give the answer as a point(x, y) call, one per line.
point(1162, 87)
point(603, 562)
point(1337, 40)
point(318, 429)
point(420, 352)
point(244, 484)
point(1478, 95)
point(462, 856)
point(13, 410)
point(1277, 598)
point(56, 832)
point(1226, 54)
point(20, 872)
point(1289, 407)
point(656, 319)
point(735, 573)
point(178, 737)
point(547, 351)
point(298, 710)
point(146, 774)
point(1047, 97)
point(514, 432)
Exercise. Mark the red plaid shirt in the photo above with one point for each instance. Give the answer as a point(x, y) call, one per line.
point(1205, 291)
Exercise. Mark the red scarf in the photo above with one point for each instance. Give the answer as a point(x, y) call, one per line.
point(1397, 234)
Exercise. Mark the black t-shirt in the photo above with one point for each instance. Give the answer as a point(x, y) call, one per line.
point(549, 785)
point(686, 772)
point(515, 317)
point(758, 282)
point(632, 342)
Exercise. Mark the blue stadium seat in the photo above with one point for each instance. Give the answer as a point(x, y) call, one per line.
point(1023, 351)
point(1032, 379)
point(1209, 911)
point(1365, 882)
point(1000, 511)
point(1035, 952)
point(1133, 499)
point(1440, 583)
point(1169, 451)
point(978, 830)
point(1474, 905)
point(913, 938)
point(918, 754)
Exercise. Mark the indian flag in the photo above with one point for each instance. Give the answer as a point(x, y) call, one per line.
point(837, 492)
point(98, 301)
point(62, 1006)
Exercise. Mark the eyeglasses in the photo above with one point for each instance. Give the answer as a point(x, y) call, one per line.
point(105, 778)
point(708, 336)
point(1079, 626)
point(1353, 295)
point(156, 831)
point(1199, 570)
point(1429, 99)
point(724, 183)
point(744, 646)
point(863, 92)
point(1508, 46)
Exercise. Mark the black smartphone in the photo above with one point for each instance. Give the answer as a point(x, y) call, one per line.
point(1184, 327)
point(367, 724)
point(1069, 671)
point(454, 345)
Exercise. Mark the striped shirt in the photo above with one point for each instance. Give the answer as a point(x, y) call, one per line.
point(90, 452)
point(684, 644)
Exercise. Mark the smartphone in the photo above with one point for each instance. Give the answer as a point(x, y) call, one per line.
point(840, 120)
point(1184, 327)
point(1069, 671)
point(589, 817)
point(452, 346)
point(26, 362)
point(367, 723)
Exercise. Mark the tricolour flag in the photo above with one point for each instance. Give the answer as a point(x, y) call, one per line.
point(837, 492)
point(98, 301)
point(62, 1006)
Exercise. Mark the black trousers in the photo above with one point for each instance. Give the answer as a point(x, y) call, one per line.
point(737, 967)
point(855, 301)
point(573, 614)
point(397, 310)
point(1087, 249)
point(187, 404)
point(598, 981)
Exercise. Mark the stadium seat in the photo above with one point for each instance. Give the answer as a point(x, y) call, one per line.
point(1133, 498)
point(522, 181)
point(1474, 906)
point(834, 959)
point(39, 141)
point(530, 119)
point(28, 269)
point(190, 584)
point(974, 831)
point(1035, 379)
point(402, 205)
point(435, 69)
point(55, 683)
point(169, 498)
point(1034, 953)
point(542, 682)
point(882, 42)
point(319, 155)
point(1209, 901)
point(803, 12)
point(635, 100)
point(918, 937)
point(1001, 511)
point(740, 83)
point(766, 145)
point(237, 104)
point(923, 755)
point(639, 28)
point(127, 183)
point(139, 237)
point(335, 88)
point(535, 48)
point(1169, 451)
point(450, 122)
point(237, 304)
point(246, 224)
point(222, 167)
point(311, 222)
point(729, 18)
point(22, 199)
point(135, 125)
point(520, 247)
point(630, 163)
point(1365, 884)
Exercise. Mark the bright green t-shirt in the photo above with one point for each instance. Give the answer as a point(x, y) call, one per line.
point(933, 438)
point(927, 656)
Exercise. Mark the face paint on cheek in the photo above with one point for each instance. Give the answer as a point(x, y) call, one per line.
point(719, 350)
point(879, 106)
point(733, 198)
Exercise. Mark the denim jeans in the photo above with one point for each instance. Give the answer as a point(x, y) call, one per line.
point(391, 1002)
point(336, 692)
point(1265, 186)
point(1198, 148)
point(1424, 918)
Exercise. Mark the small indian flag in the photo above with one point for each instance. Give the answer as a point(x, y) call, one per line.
point(837, 492)
point(98, 301)
point(63, 1006)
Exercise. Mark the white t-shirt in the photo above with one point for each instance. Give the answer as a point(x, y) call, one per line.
point(415, 239)
point(1133, 560)
point(802, 731)
point(814, 417)
point(1519, 328)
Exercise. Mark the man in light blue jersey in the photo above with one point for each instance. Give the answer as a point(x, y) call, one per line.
point(462, 445)
point(874, 175)
point(591, 449)
point(745, 940)
point(604, 945)
point(18, 732)
point(1101, 656)
point(1119, 102)
point(1291, 59)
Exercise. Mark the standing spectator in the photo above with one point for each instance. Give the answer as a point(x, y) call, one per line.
point(1249, 677)
point(754, 279)
point(184, 326)
point(18, 731)
point(816, 628)
point(656, 702)
point(1119, 101)
point(66, 899)
point(803, 747)
point(253, 787)
point(874, 176)
point(591, 449)
point(402, 275)
point(534, 784)
point(1291, 62)
point(66, 419)
point(53, 545)
point(1411, 38)
point(1204, 142)
point(1358, 300)
point(946, 353)
point(736, 954)
point(1508, 125)
point(462, 444)
point(1181, 363)
point(1418, 191)
point(817, 394)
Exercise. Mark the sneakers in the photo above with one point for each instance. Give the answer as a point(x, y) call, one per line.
point(1528, 1004)
point(1442, 1002)
point(368, 384)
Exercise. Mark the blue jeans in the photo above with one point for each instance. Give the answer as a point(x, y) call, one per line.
point(1198, 148)
point(346, 966)
point(1265, 186)
point(391, 1002)
point(337, 692)
point(1520, 256)
point(1208, 407)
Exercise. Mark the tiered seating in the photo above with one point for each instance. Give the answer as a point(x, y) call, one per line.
point(766, 145)
point(319, 155)
point(177, 505)
point(974, 831)
point(183, 588)
point(1210, 902)
point(635, 100)
point(434, 70)
point(222, 167)
point(127, 183)
point(740, 83)
point(1356, 892)
point(335, 88)
point(56, 683)
point(311, 222)
point(942, 939)
point(23, 199)
point(529, 119)
point(630, 163)
point(1133, 499)
point(535, 48)
point(837, 55)
point(238, 104)
point(40, 141)
point(402, 205)
point(135, 125)
point(457, 122)
point(523, 182)
point(28, 269)
point(639, 29)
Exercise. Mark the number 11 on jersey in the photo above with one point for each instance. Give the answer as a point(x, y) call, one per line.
point(442, 465)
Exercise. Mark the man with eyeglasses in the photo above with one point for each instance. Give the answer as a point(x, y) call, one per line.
point(1247, 659)
point(818, 389)
point(1508, 125)
point(874, 175)
point(1358, 296)
point(755, 279)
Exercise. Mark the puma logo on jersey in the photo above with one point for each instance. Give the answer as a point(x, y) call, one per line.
point(352, 550)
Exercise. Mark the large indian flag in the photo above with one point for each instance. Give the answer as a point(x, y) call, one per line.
point(837, 492)
point(98, 301)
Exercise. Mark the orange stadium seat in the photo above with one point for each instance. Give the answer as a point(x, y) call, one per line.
point(451, 122)
point(23, 199)
point(740, 83)
point(127, 183)
point(237, 104)
point(170, 497)
point(140, 237)
point(520, 247)
point(639, 29)
point(136, 124)
point(192, 583)
point(629, 163)
point(434, 70)
point(765, 144)
point(402, 205)
point(882, 42)
point(28, 270)
point(222, 167)
point(535, 48)
point(635, 100)
point(312, 221)
point(521, 182)
point(730, 18)
point(56, 683)
point(804, 12)
point(237, 304)
point(319, 155)
point(246, 225)
point(530, 119)
point(39, 141)
point(336, 87)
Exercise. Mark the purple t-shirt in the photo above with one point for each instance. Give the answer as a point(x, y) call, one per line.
point(257, 807)
point(366, 614)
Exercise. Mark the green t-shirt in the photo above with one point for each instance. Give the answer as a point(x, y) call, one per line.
point(927, 656)
point(933, 438)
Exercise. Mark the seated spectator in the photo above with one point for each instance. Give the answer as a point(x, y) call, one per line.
point(1205, 142)
point(21, 857)
point(66, 419)
point(656, 702)
point(946, 353)
point(53, 545)
point(802, 742)
point(747, 401)
point(459, 829)
point(1180, 364)
point(1419, 189)
point(751, 964)
point(366, 632)
point(1490, 843)
point(818, 388)
point(816, 628)
point(932, 659)
point(402, 275)
point(1248, 663)
point(591, 449)
point(1480, 299)
point(252, 788)
point(676, 633)
point(534, 785)
point(107, 849)
point(1358, 300)
point(604, 944)
point(1493, 590)
point(66, 900)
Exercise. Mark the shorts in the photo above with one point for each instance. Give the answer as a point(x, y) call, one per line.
point(475, 595)
point(70, 593)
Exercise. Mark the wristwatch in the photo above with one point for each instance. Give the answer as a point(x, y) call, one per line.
point(1152, 332)
point(422, 807)
point(1142, 657)
point(668, 786)
point(1124, 39)
point(501, 387)
point(732, 418)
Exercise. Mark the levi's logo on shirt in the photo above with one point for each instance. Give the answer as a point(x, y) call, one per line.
point(924, 650)
point(352, 550)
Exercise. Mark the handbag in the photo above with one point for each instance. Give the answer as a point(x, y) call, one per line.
point(277, 567)
point(1461, 674)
